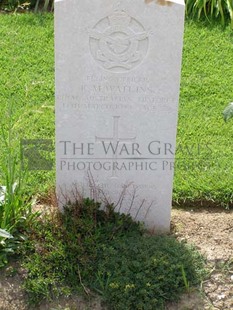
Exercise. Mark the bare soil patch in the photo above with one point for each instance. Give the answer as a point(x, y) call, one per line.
point(211, 230)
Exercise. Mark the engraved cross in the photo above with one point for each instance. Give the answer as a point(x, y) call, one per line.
point(115, 139)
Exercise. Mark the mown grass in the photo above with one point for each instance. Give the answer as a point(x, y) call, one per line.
point(27, 81)
point(204, 171)
point(206, 88)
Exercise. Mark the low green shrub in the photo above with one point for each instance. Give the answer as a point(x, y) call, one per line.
point(145, 272)
point(89, 249)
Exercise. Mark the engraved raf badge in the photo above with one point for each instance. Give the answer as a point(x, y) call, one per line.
point(118, 42)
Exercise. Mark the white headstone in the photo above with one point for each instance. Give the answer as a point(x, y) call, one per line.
point(118, 69)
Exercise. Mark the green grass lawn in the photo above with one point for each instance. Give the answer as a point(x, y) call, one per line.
point(27, 81)
point(204, 166)
point(206, 88)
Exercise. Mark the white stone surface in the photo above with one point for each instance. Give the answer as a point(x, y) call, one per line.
point(118, 69)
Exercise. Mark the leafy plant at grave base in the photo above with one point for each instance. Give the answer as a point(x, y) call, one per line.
point(211, 9)
point(146, 272)
point(87, 249)
point(15, 209)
